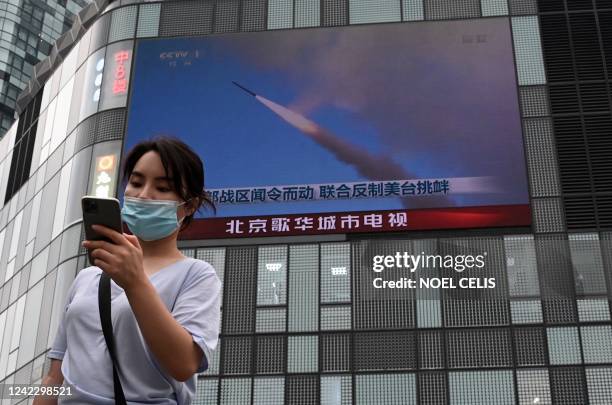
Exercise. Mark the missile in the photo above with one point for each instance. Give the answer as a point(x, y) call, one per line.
point(245, 89)
point(370, 166)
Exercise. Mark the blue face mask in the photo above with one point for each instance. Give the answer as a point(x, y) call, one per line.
point(150, 219)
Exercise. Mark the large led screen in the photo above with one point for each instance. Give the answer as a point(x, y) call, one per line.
point(386, 127)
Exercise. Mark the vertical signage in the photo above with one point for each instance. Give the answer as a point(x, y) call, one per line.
point(116, 81)
point(104, 175)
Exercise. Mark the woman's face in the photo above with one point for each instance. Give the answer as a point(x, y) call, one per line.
point(149, 181)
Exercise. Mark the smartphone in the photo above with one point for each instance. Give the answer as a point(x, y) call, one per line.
point(100, 211)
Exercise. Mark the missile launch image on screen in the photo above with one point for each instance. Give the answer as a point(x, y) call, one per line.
point(278, 113)
point(369, 166)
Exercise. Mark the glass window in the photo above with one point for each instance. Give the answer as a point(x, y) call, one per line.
point(479, 348)
point(60, 121)
point(78, 185)
point(14, 283)
point(235, 391)
point(2, 258)
point(65, 276)
point(269, 391)
point(7, 333)
point(429, 313)
point(599, 383)
point(42, 331)
point(494, 7)
point(3, 317)
point(303, 354)
point(280, 14)
point(526, 311)
point(69, 65)
point(75, 101)
point(563, 346)
point(70, 245)
point(60, 206)
point(336, 390)
point(385, 350)
point(304, 288)
point(240, 290)
point(597, 343)
point(40, 177)
point(307, 13)
point(533, 387)
point(15, 237)
point(374, 11)
point(4, 178)
point(593, 310)
point(34, 215)
point(19, 310)
point(336, 317)
point(35, 162)
point(148, 20)
point(123, 23)
point(388, 389)
point(30, 324)
point(84, 48)
point(270, 320)
point(528, 50)
point(335, 272)
point(335, 352)
point(46, 136)
point(25, 224)
point(272, 275)
point(413, 10)
point(206, 391)
point(481, 388)
point(587, 263)
point(428, 306)
point(69, 146)
point(521, 265)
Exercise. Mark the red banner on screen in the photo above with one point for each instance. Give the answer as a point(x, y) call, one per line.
point(368, 221)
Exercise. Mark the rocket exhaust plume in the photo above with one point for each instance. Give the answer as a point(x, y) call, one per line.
point(374, 168)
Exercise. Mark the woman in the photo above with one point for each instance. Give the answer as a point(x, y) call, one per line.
point(165, 306)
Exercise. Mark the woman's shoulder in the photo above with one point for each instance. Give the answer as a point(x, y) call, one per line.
point(201, 269)
point(202, 266)
point(87, 273)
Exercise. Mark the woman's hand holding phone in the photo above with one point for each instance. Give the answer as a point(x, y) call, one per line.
point(121, 259)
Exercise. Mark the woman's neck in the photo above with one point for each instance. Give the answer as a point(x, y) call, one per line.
point(160, 249)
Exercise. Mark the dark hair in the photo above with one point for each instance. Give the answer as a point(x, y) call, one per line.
point(182, 165)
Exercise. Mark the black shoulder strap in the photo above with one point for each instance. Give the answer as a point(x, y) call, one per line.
point(104, 303)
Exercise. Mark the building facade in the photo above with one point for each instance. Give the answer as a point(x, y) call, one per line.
point(314, 331)
point(29, 30)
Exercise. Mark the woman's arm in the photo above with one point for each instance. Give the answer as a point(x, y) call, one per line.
point(172, 345)
point(53, 377)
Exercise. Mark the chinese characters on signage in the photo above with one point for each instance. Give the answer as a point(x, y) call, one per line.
point(319, 223)
point(335, 191)
point(120, 81)
point(104, 185)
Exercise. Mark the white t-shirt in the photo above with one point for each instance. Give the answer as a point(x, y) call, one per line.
point(191, 291)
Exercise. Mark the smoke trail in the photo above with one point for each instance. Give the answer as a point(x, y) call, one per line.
point(375, 168)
